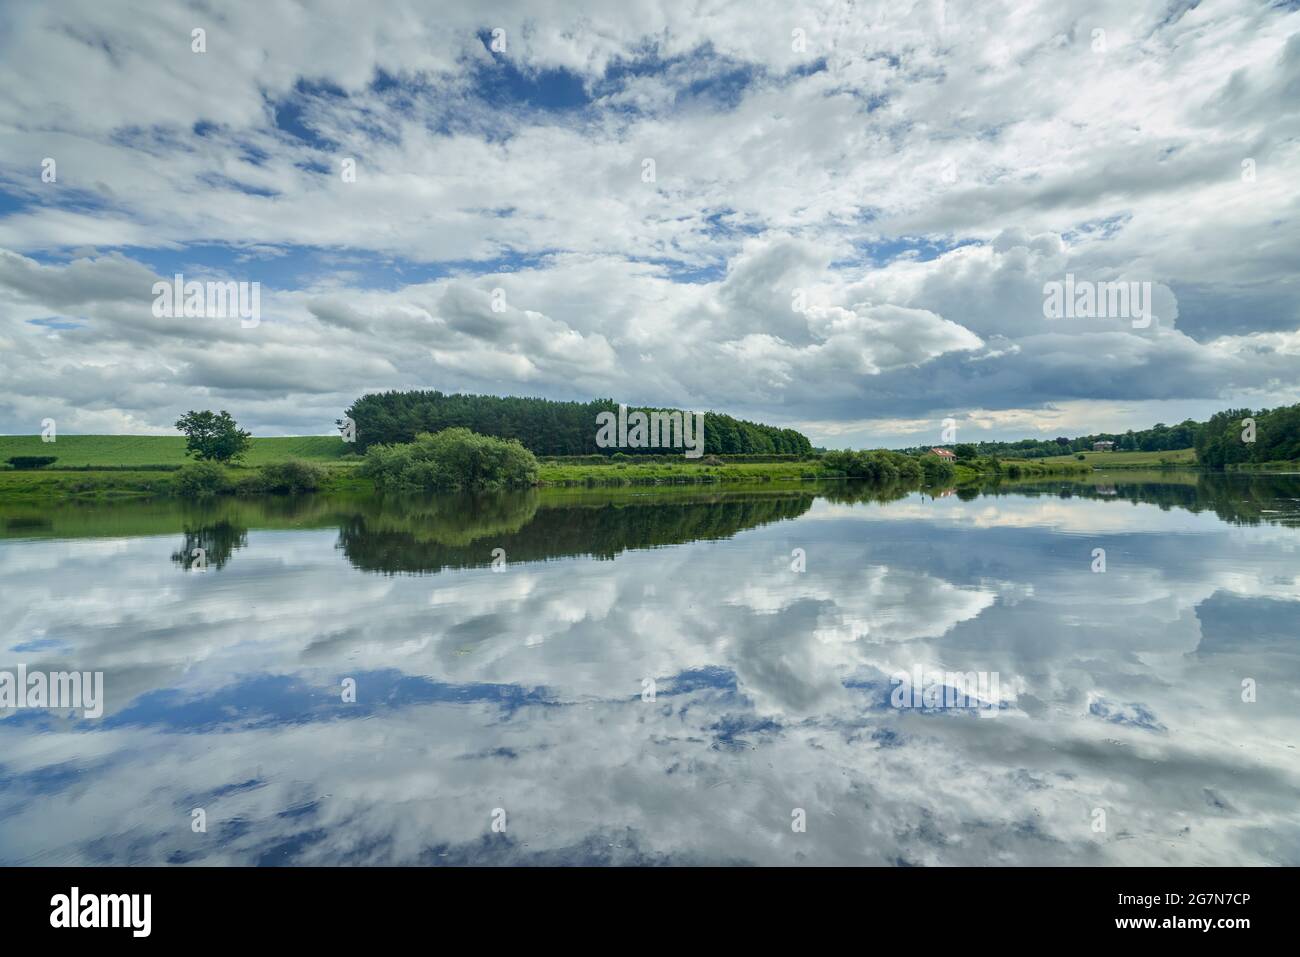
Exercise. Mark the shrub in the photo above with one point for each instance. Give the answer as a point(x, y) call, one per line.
point(881, 466)
point(32, 461)
point(200, 479)
point(294, 475)
point(452, 459)
point(937, 469)
point(1081, 457)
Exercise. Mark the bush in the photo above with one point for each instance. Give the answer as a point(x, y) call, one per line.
point(452, 459)
point(881, 466)
point(32, 461)
point(294, 475)
point(201, 478)
point(1081, 457)
point(937, 469)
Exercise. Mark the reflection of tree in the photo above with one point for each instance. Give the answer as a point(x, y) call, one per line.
point(851, 493)
point(393, 540)
point(218, 542)
point(217, 529)
point(447, 519)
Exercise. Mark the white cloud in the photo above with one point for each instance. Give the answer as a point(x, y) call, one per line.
point(918, 178)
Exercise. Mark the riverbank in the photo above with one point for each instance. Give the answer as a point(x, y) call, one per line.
point(160, 480)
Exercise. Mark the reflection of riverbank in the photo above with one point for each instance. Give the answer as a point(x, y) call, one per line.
point(415, 534)
point(1241, 499)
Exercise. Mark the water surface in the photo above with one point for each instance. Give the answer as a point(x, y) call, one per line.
point(504, 651)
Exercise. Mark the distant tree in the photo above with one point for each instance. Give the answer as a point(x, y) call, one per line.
point(213, 436)
point(964, 451)
point(544, 426)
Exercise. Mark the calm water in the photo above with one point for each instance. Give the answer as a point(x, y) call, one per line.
point(520, 695)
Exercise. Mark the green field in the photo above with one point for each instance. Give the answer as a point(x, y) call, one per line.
point(1128, 460)
point(138, 451)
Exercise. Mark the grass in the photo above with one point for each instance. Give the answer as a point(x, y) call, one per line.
point(39, 485)
point(1129, 460)
point(142, 451)
point(1282, 465)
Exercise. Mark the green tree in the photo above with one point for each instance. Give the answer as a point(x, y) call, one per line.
point(213, 436)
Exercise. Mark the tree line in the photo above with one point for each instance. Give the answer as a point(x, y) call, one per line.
point(1158, 438)
point(1240, 436)
point(1225, 439)
point(544, 426)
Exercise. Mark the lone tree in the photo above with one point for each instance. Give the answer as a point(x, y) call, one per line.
point(213, 435)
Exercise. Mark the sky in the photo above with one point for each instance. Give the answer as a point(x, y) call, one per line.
point(840, 217)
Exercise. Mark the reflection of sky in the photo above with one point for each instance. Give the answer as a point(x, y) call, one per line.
point(522, 690)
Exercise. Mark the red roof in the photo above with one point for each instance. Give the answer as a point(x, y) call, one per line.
point(944, 453)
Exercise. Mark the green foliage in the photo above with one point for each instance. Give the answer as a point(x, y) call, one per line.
point(937, 469)
point(452, 459)
point(879, 466)
point(213, 436)
point(199, 479)
point(544, 426)
point(294, 475)
point(1222, 442)
point(32, 461)
point(645, 470)
point(964, 451)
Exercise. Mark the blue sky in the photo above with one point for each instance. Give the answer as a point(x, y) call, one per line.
point(840, 219)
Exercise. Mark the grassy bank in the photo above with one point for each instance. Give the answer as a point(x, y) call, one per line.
point(1290, 465)
point(151, 451)
point(93, 484)
point(682, 471)
point(91, 467)
point(1178, 458)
